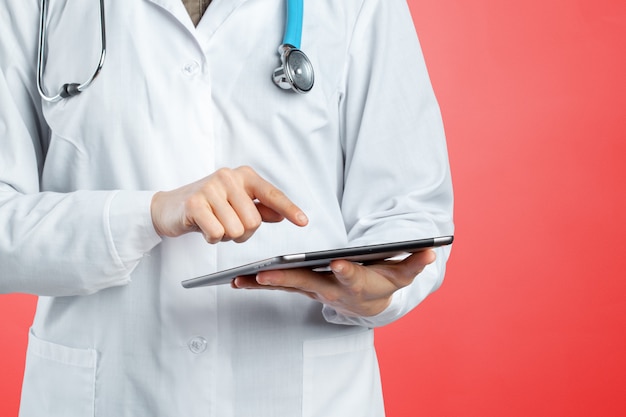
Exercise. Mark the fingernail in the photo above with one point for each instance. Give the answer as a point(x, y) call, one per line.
point(338, 268)
point(302, 218)
point(262, 279)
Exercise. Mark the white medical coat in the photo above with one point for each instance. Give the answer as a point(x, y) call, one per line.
point(115, 334)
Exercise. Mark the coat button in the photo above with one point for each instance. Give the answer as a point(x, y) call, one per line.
point(197, 344)
point(191, 68)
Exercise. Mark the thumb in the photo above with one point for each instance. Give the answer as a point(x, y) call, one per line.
point(346, 272)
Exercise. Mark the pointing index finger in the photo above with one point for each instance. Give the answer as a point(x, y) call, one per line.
point(274, 199)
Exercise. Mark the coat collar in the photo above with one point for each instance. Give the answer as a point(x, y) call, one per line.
point(214, 17)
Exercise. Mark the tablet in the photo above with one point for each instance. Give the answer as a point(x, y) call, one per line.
point(319, 259)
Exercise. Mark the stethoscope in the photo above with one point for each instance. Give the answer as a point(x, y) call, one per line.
point(295, 73)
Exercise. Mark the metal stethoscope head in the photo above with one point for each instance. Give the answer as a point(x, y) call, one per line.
point(67, 89)
point(296, 72)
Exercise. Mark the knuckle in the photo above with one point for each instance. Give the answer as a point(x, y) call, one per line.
point(273, 194)
point(214, 236)
point(242, 238)
point(194, 203)
point(252, 222)
point(213, 231)
point(246, 170)
point(236, 232)
point(224, 175)
point(209, 188)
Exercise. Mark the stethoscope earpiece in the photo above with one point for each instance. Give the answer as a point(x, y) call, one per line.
point(296, 71)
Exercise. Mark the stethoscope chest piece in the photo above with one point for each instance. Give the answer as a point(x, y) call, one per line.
point(296, 71)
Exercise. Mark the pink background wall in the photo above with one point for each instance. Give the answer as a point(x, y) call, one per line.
point(531, 320)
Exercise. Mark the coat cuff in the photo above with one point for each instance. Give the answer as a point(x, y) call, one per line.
point(393, 311)
point(132, 233)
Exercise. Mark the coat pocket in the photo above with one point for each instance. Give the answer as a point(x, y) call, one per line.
point(341, 377)
point(58, 380)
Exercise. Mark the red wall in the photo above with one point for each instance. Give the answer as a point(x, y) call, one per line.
point(531, 320)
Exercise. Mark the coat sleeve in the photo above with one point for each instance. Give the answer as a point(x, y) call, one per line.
point(397, 182)
point(54, 243)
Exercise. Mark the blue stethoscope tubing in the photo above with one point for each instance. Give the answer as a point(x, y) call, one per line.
point(293, 25)
point(295, 73)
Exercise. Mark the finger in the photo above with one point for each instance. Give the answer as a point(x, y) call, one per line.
point(250, 282)
point(274, 199)
point(285, 278)
point(302, 280)
point(268, 215)
point(403, 273)
point(227, 216)
point(247, 213)
point(416, 263)
point(346, 272)
point(210, 226)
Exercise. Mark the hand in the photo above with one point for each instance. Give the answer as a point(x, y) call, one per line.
point(230, 204)
point(351, 289)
